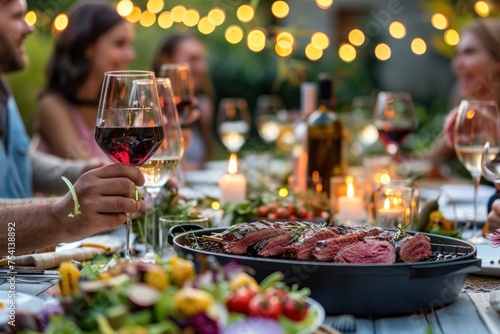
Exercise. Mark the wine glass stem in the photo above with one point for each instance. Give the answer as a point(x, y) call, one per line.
point(154, 226)
point(128, 252)
point(477, 180)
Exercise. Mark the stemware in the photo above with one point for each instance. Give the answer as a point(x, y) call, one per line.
point(476, 123)
point(394, 118)
point(162, 164)
point(233, 123)
point(183, 90)
point(267, 121)
point(129, 125)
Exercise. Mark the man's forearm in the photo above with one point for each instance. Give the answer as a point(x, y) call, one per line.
point(25, 227)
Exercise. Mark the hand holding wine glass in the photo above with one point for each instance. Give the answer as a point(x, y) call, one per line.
point(162, 165)
point(233, 123)
point(476, 123)
point(129, 126)
point(394, 118)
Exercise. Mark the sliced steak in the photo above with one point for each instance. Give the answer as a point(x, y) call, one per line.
point(237, 239)
point(415, 248)
point(370, 251)
point(274, 247)
point(305, 244)
point(326, 250)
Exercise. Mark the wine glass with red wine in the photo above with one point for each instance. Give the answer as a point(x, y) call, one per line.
point(394, 118)
point(129, 126)
point(183, 89)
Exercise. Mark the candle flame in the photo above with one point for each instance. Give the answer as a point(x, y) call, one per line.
point(387, 204)
point(350, 190)
point(233, 164)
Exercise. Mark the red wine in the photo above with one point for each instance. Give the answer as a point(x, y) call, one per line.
point(394, 135)
point(132, 145)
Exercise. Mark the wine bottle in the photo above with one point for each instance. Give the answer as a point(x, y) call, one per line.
point(324, 140)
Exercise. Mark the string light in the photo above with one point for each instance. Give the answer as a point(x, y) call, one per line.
point(165, 20)
point(451, 37)
point(439, 21)
point(147, 19)
point(356, 37)
point(30, 18)
point(217, 16)
point(256, 40)
point(124, 7)
point(285, 40)
point(418, 46)
point(280, 9)
point(233, 34)
point(313, 53)
point(177, 13)
point(205, 26)
point(61, 22)
point(482, 8)
point(382, 51)
point(135, 15)
point(324, 4)
point(320, 40)
point(155, 6)
point(283, 51)
point(397, 30)
point(347, 52)
point(245, 13)
point(191, 18)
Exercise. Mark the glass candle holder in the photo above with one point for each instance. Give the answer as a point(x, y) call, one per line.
point(348, 199)
point(393, 206)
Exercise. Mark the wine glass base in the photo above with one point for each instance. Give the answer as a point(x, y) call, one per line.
point(149, 257)
point(478, 239)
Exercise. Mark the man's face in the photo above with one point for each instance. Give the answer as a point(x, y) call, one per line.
point(13, 31)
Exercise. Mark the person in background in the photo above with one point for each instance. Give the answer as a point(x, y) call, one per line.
point(96, 40)
point(102, 193)
point(477, 67)
point(186, 48)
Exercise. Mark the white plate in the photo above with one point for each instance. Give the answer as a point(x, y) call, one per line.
point(206, 176)
point(490, 260)
point(320, 311)
point(24, 302)
point(464, 193)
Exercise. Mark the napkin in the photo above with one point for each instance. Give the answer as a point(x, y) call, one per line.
point(90, 247)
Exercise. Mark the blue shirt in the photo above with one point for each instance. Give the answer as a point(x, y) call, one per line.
point(15, 164)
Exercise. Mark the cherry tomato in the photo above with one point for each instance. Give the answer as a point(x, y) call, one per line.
point(276, 292)
point(283, 212)
point(301, 212)
point(295, 309)
point(262, 211)
point(240, 300)
point(272, 207)
point(263, 307)
point(272, 216)
point(291, 208)
point(309, 215)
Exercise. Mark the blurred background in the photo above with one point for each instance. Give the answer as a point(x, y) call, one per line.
point(264, 47)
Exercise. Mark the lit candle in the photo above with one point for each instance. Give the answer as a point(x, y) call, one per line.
point(392, 214)
point(233, 186)
point(351, 208)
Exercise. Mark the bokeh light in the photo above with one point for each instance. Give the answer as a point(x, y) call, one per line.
point(30, 18)
point(356, 37)
point(61, 22)
point(177, 13)
point(347, 52)
point(205, 26)
point(280, 9)
point(155, 6)
point(147, 19)
point(165, 20)
point(256, 40)
point(285, 40)
point(482, 8)
point(191, 17)
point(324, 4)
point(397, 30)
point(124, 7)
point(217, 16)
point(439, 21)
point(451, 37)
point(320, 40)
point(313, 53)
point(418, 46)
point(234, 34)
point(283, 51)
point(135, 15)
point(382, 51)
point(245, 13)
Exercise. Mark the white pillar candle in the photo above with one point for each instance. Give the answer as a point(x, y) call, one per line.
point(390, 216)
point(233, 186)
point(351, 207)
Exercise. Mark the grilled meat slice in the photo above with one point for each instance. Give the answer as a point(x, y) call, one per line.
point(371, 251)
point(275, 246)
point(415, 248)
point(327, 249)
point(303, 247)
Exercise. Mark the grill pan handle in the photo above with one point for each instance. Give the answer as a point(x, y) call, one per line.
point(440, 269)
point(177, 229)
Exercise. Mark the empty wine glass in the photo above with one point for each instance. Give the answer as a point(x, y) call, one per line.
point(161, 166)
point(267, 121)
point(183, 90)
point(129, 125)
point(476, 123)
point(394, 118)
point(233, 123)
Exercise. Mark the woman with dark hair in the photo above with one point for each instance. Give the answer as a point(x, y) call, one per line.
point(189, 49)
point(96, 40)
